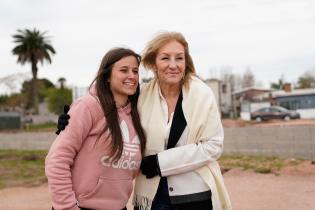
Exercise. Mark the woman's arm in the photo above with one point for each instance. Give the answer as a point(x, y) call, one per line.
point(189, 157)
point(61, 156)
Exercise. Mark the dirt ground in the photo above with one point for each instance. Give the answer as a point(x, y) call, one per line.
point(229, 123)
point(292, 188)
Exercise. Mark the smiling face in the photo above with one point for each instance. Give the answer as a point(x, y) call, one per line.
point(124, 78)
point(170, 63)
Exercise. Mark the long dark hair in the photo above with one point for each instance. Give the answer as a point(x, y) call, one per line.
point(107, 101)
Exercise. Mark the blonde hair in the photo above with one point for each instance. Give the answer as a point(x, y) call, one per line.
point(150, 52)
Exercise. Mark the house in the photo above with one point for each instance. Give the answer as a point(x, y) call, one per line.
point(248, 100)
point(223, 95)
point(301, 100)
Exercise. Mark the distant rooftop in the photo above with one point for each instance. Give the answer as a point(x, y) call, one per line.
point(295, 92)
point(213, 79)
point(282, 93)
point(250, 88)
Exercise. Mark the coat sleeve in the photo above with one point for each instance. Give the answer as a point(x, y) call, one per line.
point(61, 156)
point(189, 157)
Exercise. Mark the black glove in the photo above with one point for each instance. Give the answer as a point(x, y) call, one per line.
point(150, 166)
point(63, 119)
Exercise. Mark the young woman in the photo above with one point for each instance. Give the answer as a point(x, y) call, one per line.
point(92, 163)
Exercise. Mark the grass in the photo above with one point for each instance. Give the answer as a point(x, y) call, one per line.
point(50, 126)
point(28, 127)
point(21, 168)
point(259, 164)
point(26, 168)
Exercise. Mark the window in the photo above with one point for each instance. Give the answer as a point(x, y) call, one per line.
point(273, 110)
point(224, 88)
point(285, 104)
point(264, 110)
point(296, 104)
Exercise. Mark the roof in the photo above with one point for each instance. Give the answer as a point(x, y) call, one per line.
point(295, 92)
point(212, 80)
point(250, 88)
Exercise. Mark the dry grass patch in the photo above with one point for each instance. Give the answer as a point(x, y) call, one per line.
point(27, 168)
point(259, 164)
point(21, 168)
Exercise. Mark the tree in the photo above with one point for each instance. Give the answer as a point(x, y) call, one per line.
point(11, 102)
point(307, 80)
point(280, 84)
point(42, 84)
point(227, 75)
point(277, 85)
point(62, 82)
point(15, 100)
point(57, 98)
point(248, 79)
point(3, 100)
point(32, 46)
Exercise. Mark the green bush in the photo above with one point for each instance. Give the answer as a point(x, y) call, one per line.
point(57, 98)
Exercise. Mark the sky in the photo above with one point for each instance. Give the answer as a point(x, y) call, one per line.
point(274, 38)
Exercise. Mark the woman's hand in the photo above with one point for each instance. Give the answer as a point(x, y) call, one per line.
point(150, 166)
point(63, 119)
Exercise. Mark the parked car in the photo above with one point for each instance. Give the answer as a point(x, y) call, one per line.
point(274, 112)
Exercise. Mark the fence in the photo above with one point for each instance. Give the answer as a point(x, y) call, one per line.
point(280, 141)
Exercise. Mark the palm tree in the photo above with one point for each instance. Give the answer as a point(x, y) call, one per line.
point(62, 82)
point(32, 46)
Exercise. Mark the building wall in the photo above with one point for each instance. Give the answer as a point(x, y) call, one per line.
point(44, 115)
point(306, 113)
point(279, 141)
point(27, 140)
point(304, 104)
point(226, 97)
point(223, 95)
point(215, 87)
point(241, 98)
point(297, 102)
point(249, 94)
point(247, 107)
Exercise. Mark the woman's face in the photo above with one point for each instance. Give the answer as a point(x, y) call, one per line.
point(170, 63)
point(124, 77)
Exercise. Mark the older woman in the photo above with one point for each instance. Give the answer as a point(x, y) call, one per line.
point(184, 133)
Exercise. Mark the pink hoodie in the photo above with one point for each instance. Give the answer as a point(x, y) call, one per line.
point(78, 166)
